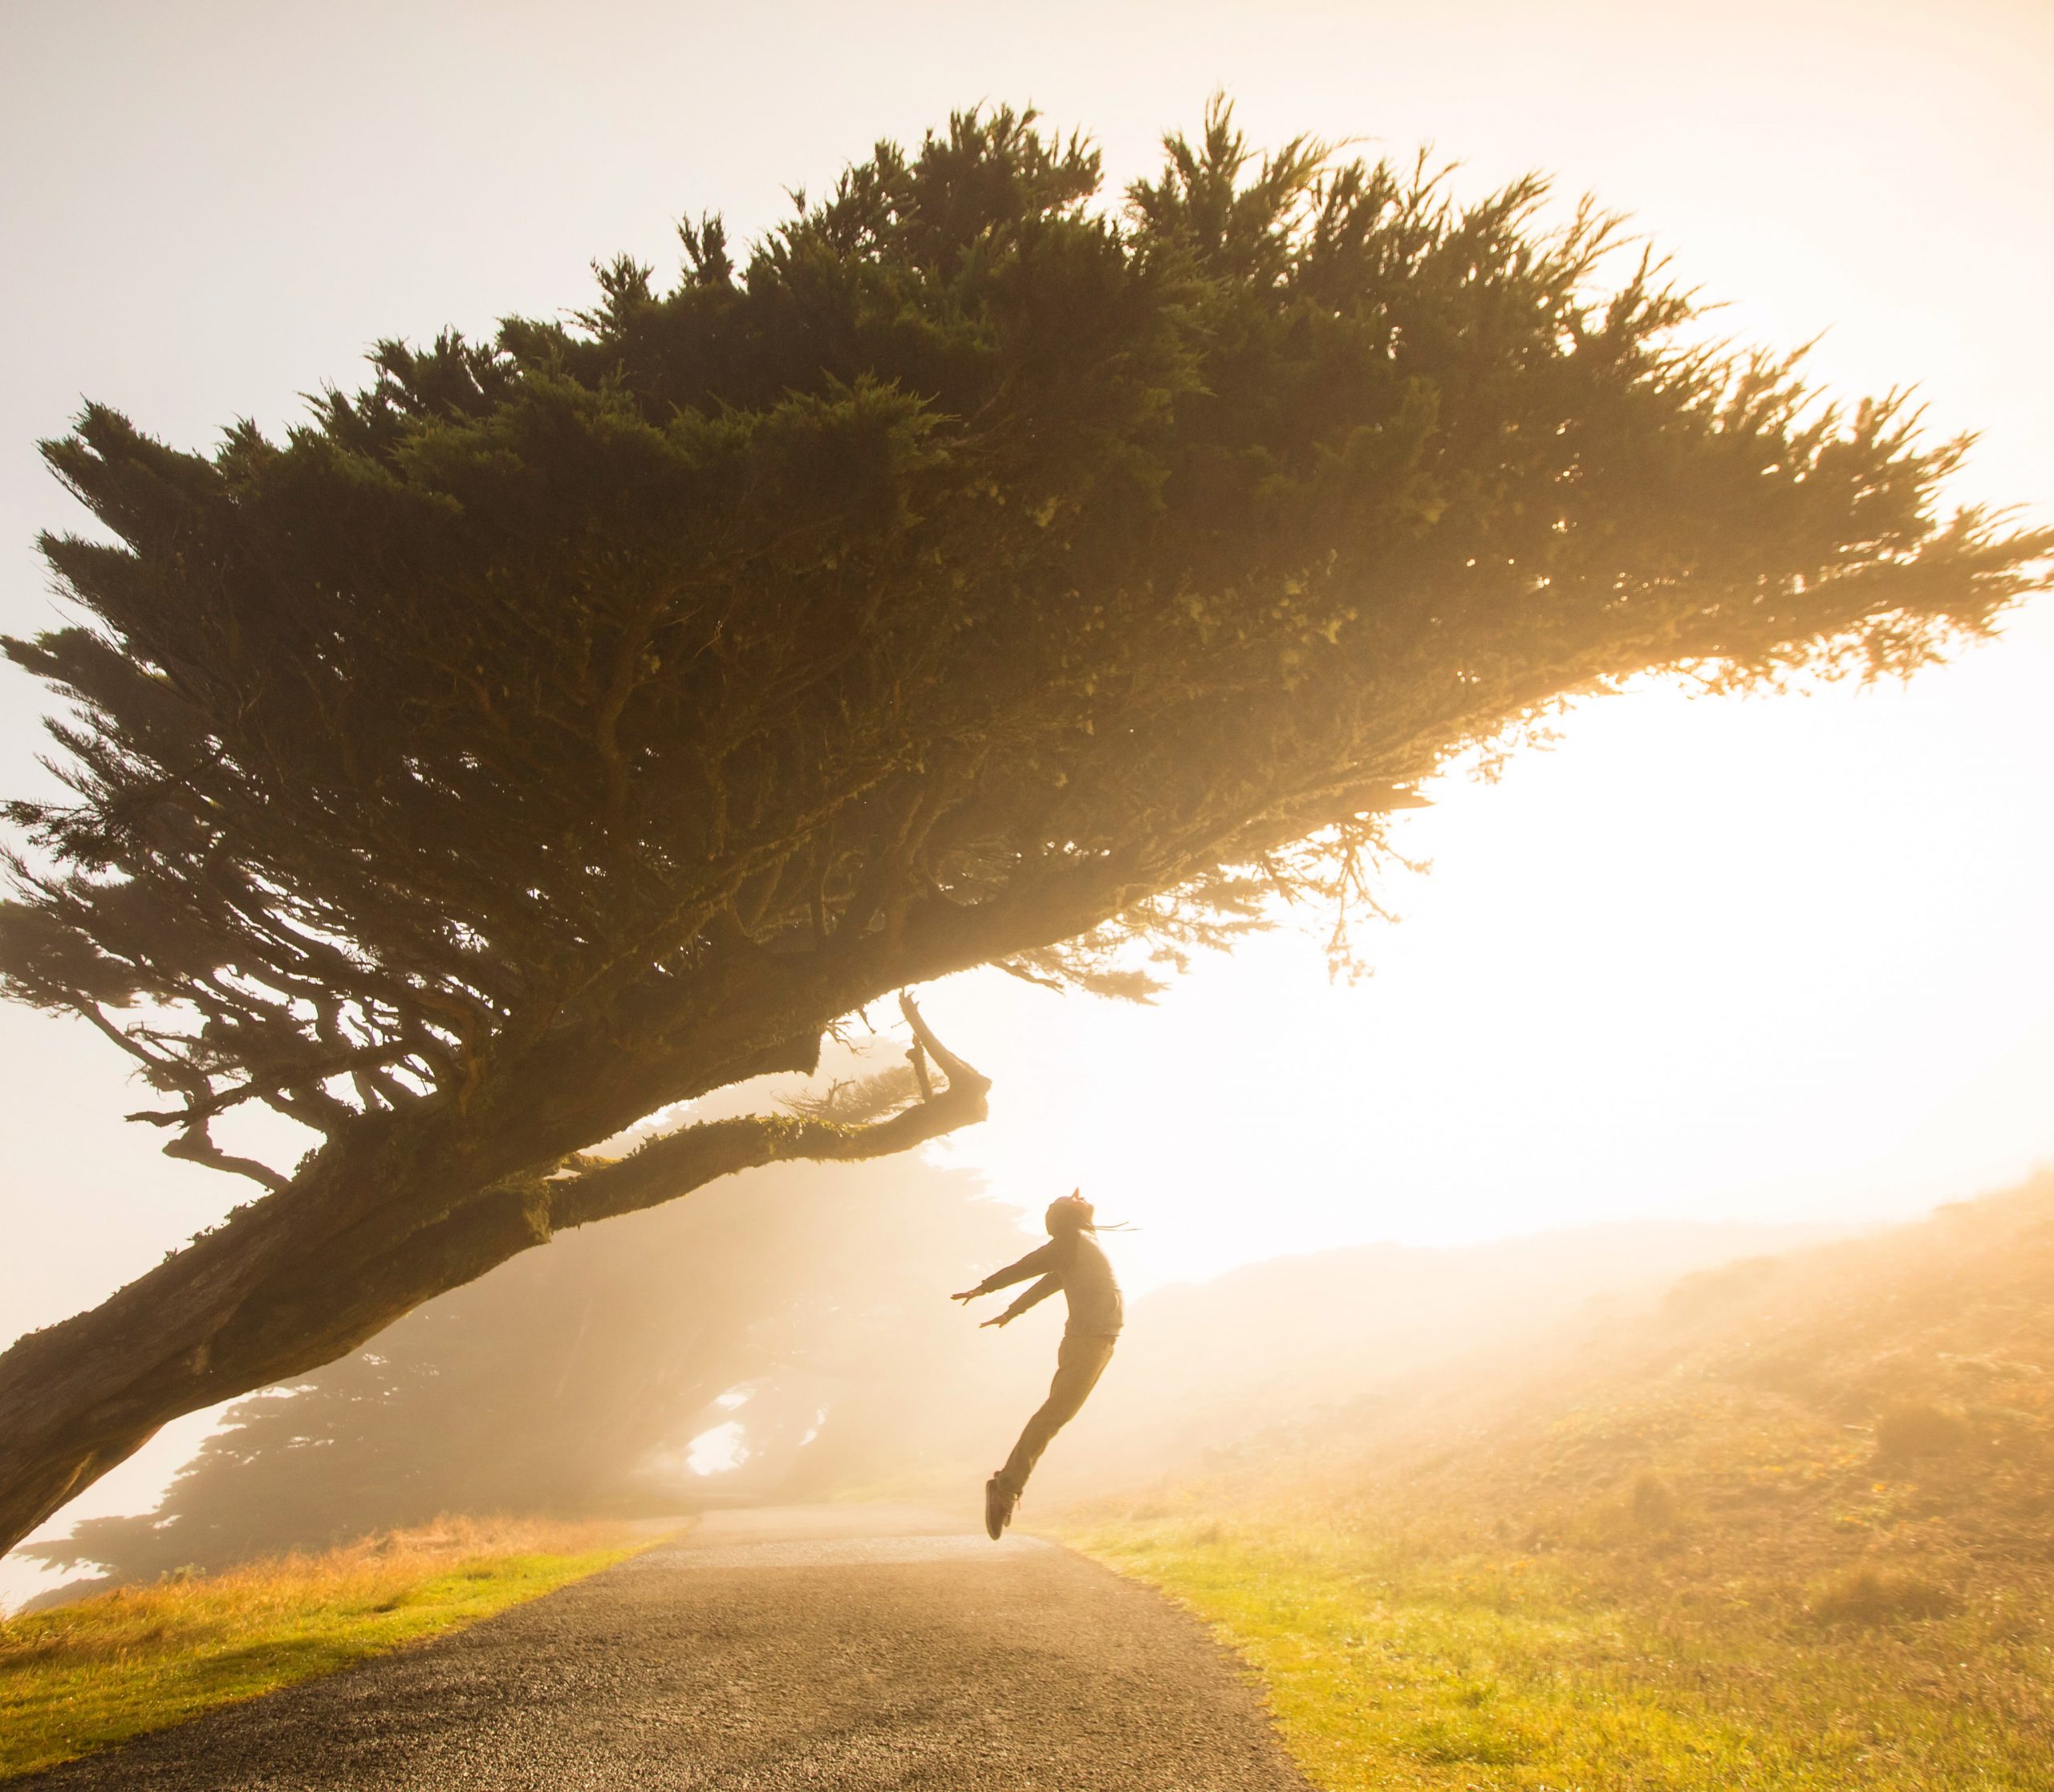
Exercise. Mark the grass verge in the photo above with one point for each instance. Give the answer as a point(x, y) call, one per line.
point(89, 1674)
point(1394, 1662)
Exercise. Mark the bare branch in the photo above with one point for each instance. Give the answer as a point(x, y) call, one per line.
point(680, 1161)
point(1011, 969)
point(197, 1147)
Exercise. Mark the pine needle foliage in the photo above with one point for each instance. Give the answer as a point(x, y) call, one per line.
point(975, 572)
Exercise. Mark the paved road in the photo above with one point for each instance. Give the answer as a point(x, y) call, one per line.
point(825, 1648)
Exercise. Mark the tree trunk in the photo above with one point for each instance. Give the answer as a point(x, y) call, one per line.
point(404, 1207)
point(308, 1274)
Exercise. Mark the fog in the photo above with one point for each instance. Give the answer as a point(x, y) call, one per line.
point(788, 1336)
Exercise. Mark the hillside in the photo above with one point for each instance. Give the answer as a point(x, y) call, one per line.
point(1886, 1398)
point(1791, 1527)
point(1207, 1371)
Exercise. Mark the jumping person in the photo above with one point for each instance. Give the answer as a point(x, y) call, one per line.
point(1072, 1261)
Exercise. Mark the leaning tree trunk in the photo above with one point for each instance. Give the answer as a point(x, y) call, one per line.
point(377, 1223)
point(405, 1205)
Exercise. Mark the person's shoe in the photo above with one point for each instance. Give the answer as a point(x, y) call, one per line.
point(998, 1507)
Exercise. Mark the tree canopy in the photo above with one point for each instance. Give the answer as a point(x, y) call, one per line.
point(565, 727)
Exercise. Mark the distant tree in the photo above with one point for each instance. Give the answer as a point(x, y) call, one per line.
point(572, 1380)
point(562, 729)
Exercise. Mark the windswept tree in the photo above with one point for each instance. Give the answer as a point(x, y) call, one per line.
point(566, 727)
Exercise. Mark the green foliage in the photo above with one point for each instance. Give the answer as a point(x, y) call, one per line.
point(556, 727)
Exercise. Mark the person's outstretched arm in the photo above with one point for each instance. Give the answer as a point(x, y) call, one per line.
point(1036, 1263)
point(1040, 1291)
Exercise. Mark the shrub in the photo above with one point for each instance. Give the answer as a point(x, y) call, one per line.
point(1914, 1428)
point(1873, 1595)
point(1653, 1503)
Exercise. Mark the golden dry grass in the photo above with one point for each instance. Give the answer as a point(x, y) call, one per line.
point(110, 1667)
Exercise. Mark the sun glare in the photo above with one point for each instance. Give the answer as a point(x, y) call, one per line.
point(1713, 959)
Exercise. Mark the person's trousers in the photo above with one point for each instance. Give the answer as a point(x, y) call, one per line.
point(1079, 1362)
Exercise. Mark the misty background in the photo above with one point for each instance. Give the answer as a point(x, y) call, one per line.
point(788, 1338)
point(1703, 971)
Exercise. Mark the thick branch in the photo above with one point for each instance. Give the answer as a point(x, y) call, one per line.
point(195, 1146)
point(267, 1297)
point(682, 1161)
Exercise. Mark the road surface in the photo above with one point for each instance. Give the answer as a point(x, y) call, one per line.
point(823, 1648)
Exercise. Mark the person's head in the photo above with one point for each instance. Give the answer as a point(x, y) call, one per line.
point(1071, 1214)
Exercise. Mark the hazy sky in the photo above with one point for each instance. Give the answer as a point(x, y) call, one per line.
point(1711, 959)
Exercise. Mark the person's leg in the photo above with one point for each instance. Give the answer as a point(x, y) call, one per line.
point(1079, 1362)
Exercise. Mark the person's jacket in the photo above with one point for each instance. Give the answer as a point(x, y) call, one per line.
point(1074, 1264)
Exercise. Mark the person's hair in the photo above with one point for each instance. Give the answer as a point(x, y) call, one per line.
point(1066, 1206)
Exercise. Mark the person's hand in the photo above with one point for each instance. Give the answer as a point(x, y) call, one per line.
point(968, 1294)
point(989, 1323)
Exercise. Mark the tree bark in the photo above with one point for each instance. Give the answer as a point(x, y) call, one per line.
point(307, 1276)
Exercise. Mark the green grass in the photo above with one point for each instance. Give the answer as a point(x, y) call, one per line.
point(1396, 1661)
point(89, 1674)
